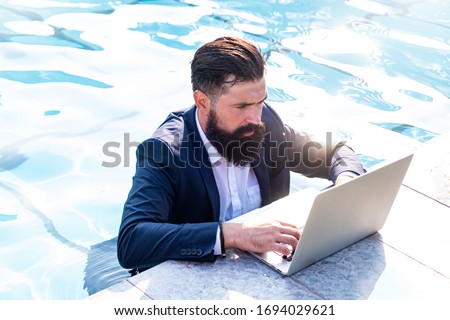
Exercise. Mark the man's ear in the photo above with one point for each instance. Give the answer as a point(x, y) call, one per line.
point(201, 101)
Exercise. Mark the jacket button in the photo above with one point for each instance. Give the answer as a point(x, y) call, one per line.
point(199, 252)
point(188, 252)
point(183, 252)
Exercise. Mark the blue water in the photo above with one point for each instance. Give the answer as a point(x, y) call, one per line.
point(81, 77)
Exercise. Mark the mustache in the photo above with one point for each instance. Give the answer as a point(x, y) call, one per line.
point(251, 127)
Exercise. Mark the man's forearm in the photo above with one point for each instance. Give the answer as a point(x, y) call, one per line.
point(345, 160)
point(148, 243)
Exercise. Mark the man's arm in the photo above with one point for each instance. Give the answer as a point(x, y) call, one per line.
point(146, 235)
point(320, 158)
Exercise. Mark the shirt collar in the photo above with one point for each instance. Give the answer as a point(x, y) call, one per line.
point(214, 155)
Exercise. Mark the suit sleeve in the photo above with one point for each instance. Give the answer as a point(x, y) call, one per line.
point(146, 235)
point(321, 158)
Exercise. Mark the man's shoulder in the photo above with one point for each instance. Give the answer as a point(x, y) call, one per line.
point(173, 129)
point(172, 126)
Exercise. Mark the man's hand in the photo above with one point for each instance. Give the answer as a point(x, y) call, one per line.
point(276, 236)
point(343, 178)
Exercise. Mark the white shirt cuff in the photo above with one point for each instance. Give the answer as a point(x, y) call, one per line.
point(217, 246)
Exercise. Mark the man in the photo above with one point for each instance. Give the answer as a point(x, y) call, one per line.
point(225, 156)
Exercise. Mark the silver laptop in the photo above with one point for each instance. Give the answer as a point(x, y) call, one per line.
point(334, 218)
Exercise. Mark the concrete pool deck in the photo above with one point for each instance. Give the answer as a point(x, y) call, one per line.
point(409, 258)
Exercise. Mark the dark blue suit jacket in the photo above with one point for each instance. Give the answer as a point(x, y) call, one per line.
point(172, 210)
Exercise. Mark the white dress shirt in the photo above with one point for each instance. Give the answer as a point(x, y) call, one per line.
point(238, 187)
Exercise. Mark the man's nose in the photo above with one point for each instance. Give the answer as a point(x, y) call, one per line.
point(255, 113)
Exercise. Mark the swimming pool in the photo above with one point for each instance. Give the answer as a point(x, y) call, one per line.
point(82, 81)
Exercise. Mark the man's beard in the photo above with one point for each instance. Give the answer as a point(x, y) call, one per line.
point(234, 146)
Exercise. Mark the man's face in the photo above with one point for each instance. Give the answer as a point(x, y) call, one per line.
point(234, 124)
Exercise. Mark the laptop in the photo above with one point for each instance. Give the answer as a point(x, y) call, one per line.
point(333, 219)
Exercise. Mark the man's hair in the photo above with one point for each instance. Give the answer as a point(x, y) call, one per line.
point(216, 61)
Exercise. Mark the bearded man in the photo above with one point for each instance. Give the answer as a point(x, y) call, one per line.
point(228, 154)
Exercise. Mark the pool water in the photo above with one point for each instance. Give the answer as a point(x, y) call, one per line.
point(81, 82)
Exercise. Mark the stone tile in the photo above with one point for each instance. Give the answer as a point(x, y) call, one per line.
point(351, 273)
point(404, 278)
point(429, 172)
point(419, 227)
point(239, 276)
point(122, 291)
point(370, 269)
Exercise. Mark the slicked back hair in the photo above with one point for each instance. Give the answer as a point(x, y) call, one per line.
point(221, 63)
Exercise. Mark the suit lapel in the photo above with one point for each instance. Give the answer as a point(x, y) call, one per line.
point(201, 157)
point(262, 175)
point(210, 183)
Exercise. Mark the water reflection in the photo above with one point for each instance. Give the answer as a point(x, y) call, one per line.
point(408, 130)
point(333, 46)
point(42, 76)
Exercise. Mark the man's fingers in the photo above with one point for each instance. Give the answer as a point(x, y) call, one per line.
point(289, 229)
point(287, 240)
point(282, 248)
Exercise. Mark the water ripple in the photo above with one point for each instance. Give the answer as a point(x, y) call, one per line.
point(58, 36)
point(424, 66)
point(8, 217)
point(52, 112)
point(369, 161)
point(359, 92)
point(167, 34)
point(306, 78)
point(41, 76)
point(11, 158)
point(338, 82)
point(48, 223)
point(367, 26)
point(102, 269)
point(278, 95)
point(417, 95)
point(408, 130)
point(61, 37)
